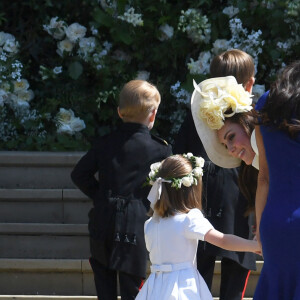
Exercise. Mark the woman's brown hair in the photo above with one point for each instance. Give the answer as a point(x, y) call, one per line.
point(282, 107)
point(247, 173)
point(174, 200)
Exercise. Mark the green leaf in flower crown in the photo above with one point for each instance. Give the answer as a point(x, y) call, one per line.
point(75, 70)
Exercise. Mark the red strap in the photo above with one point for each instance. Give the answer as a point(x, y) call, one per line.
point(245, 286)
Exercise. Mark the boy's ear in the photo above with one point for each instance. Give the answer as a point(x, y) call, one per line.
point(249, 85)
point(119, 113)
point(152, 115)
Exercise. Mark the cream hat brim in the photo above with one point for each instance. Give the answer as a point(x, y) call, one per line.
point(216, 152)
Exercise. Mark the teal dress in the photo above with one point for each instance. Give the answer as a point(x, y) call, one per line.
point(280, 222)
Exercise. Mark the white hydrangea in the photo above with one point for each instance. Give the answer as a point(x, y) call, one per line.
point(250, 43)
point(200, 66)
point(143, 75)
point(181, 95)
point(220, 46)
point(195, 25)
point(231, 11)
point(166, 32)
point(130, 17)
point(57, 70)
point(257, 91)
point(3, 97)
point(75, 32)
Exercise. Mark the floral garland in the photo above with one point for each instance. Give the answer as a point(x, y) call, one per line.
point(187, 180)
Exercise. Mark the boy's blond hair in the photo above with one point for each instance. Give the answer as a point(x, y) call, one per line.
point(138, 98)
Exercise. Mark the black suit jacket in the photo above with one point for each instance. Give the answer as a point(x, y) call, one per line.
point(122, 160)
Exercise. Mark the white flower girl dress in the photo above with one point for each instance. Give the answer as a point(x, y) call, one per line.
point(172, 243)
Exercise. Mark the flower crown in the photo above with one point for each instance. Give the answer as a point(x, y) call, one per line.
point(187, 180)
point(221, 97)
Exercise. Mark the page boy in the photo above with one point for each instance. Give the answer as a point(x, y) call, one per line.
point(122, 160)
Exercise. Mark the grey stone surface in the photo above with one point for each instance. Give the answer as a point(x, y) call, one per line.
point(35, 177)
point(44, 241)
point(44, 206)
point(45, 277)
point(40, 158)
point(22, 169)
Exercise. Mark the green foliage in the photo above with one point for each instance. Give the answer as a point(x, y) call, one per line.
point(85, 80)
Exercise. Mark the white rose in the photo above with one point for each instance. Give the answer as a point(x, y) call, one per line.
point(25, 95)
point(65, 116)
point(5, 37)
point(65, 128)
point(64, 46)
point(166, 32)
point(77, 124)
point(199, 162)
point(56, 28)
point(152, 174)
point(18, 101)
point(75, 32)
point(21, 85)
point(187, 181)
point(189, 155)
point(11, 46)
point(198, 171)
point(155, 167)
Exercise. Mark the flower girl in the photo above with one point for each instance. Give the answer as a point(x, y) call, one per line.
point(173, 231)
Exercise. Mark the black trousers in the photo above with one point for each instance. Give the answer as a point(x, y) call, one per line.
point(233, 276)
point(106, 283)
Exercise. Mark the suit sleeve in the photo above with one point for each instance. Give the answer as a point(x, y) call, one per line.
point(83, 174)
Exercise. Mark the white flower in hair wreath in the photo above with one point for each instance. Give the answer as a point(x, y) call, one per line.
point(221, 97)
point(187, 180)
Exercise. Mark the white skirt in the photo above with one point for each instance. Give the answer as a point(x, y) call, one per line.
point(183, 284)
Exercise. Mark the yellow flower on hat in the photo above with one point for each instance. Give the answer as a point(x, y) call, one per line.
point(221, 97)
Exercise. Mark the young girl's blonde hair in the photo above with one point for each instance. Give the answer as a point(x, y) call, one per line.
point(137, 99)
point(174, 200)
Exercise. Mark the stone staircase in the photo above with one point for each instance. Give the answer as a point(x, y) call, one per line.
point(44, 246)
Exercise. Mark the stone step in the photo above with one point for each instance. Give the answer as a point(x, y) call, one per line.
point(46, 277)
point(22, 169)
point(34, 240)
point(69, 277)
point(44, 206)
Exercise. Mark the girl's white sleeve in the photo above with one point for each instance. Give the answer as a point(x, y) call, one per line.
point(196, 225)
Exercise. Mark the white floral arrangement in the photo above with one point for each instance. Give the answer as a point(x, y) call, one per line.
point(188, 180)
point(220, 98)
